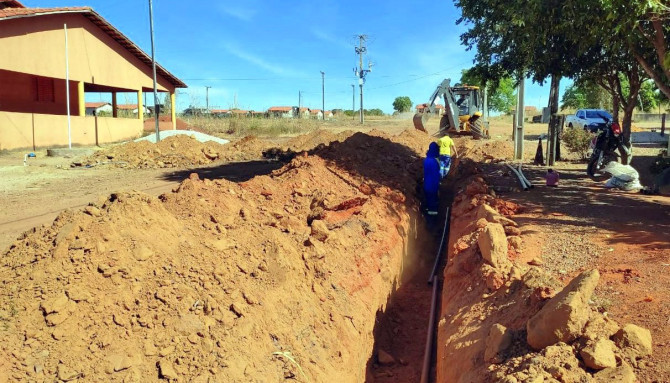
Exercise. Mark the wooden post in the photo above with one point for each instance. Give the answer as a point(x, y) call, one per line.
point(140, 106)
point(554, 120)
point(115, 112)
point(173, 110)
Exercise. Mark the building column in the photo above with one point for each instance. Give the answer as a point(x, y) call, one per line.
point(115, 112)
point(140, 107)
point(173, 110)
point(82, 99)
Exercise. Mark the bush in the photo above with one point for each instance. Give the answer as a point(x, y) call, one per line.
point(577, 140)
point(661, 162)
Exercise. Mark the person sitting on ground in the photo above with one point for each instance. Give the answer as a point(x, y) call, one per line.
point(447, 147)
point(552, 178)
point(431, 181)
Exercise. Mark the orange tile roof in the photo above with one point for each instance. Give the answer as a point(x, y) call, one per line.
point(96, 104)
point(10, 4)
point(425, 105)
point(280, 109)
point(219, 111)
point(104, 25)
point(315, 111)
point(126, 106)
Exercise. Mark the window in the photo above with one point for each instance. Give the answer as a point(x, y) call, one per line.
point(598, 114)
point(45, 90)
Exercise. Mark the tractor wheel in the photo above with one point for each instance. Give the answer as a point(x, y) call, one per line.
point(477, 129)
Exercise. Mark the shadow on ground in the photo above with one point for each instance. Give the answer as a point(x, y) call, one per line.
point(636, 218)
point(233, 171)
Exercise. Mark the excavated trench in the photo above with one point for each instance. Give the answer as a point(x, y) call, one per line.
point(315, 272)
point(284, 276)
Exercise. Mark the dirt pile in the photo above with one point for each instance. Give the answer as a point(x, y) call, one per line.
point(276, 278)
point(504, 322)
point(176, 151)
point(165, 123)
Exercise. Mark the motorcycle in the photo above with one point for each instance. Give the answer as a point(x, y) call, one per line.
point(604, 147)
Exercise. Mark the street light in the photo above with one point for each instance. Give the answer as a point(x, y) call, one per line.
point(153, 64)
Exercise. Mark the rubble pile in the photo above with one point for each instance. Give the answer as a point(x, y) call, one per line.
point(503, 322)
point(279, 277)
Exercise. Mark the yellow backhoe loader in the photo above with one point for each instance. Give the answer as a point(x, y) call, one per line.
point(463, 111)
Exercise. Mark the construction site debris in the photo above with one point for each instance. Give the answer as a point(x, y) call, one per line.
point(563, 317)
point(279, 276)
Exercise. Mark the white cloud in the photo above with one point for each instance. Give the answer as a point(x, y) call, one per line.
point(260, 62)
point(238, 12)
point(327, 37)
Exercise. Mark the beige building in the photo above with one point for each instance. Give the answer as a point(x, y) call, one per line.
point(34, 66)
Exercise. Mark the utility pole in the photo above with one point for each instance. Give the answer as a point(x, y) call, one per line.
point(360, 72)
point(207, 96)
point(323, 97)
point(353, 100)
point(518, 145)
point(67, 91)
point(153, 64)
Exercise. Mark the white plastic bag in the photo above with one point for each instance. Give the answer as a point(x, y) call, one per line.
point(624, 177)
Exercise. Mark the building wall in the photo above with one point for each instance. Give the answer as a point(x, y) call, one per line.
point(21, 130)
point(19, 93)
point(37, 46)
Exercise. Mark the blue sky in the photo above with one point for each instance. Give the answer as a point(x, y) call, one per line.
point(262, 53)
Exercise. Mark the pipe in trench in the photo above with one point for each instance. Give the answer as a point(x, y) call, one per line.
point(435, 281)
point(445, 233)
point(428, 353)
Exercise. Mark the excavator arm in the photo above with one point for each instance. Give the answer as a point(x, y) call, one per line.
point(448, 120)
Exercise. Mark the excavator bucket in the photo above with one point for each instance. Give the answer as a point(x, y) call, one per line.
point(419, 120)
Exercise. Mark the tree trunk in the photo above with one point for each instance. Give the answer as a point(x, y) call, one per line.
point(552, 142)
point(631, 102)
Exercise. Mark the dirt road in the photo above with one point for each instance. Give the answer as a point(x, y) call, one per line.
point(582, 225)
point(33, 195)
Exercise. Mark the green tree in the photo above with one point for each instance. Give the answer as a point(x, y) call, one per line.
point(573, 98)
point(373, 112)
point(501, 98)
point(587, 94)
point(643, 25)
point(648, 98)
point(564, 38)
point(402, 104)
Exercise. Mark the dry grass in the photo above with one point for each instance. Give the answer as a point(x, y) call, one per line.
point(261, 127)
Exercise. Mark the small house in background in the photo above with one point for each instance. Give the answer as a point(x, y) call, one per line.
point(423, 108)
point(282, 111)
point(239, 113)
point(98, 109)
point(304, 112)
point(531, 111)
point(34, 86)
point(328, 114)
point(316, 113)
point(259, 114)
point(129, 109)
point(219, 113)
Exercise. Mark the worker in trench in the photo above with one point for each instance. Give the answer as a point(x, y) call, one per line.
point(447, 149)
point(431, 184)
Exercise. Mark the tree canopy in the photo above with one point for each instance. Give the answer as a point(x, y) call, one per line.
point(608, 42)
point(402, 104)
point(501, 98)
